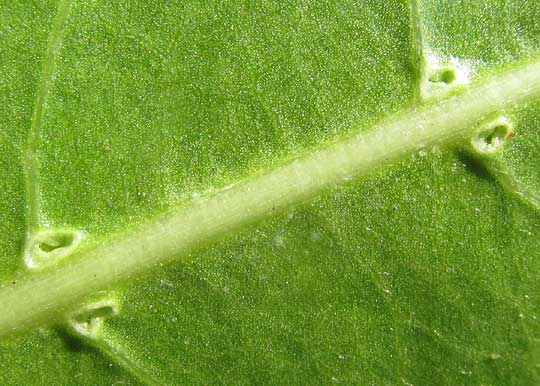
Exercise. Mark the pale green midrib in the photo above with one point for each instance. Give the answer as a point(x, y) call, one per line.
point(34, 135)
point(47, 295)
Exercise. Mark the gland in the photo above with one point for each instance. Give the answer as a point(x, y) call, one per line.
point(88, 320)
point(446, 75)
point(492, 135)
point(441, 77)
point(49, 246)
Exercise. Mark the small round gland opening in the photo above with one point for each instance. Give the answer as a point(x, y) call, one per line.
point(48, 245)
point(491, 138)
point(443, 75)
point(89, 320)
point(105, 311)
point(55, 241)
point(497, 135)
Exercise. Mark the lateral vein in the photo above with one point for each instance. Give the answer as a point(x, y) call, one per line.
point(34, 136)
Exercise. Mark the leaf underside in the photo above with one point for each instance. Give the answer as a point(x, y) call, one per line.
point(424, 272)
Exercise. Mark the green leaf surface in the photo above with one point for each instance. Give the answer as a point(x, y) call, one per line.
point(270, 192)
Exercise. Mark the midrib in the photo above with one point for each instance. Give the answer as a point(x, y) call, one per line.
point(47, 295)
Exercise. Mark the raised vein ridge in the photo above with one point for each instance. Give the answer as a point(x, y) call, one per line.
point(47, 296)
point(34, 139)
point(417, 39)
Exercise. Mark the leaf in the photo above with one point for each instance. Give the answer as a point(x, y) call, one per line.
point(178, 202)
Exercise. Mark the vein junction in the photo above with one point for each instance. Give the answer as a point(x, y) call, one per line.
point(48, 295)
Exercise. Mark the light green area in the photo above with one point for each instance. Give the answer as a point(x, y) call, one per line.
point(424, 272)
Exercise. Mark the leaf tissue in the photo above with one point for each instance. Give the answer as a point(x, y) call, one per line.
point(286, 192)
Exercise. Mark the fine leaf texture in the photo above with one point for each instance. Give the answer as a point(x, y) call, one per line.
point(425, 271)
